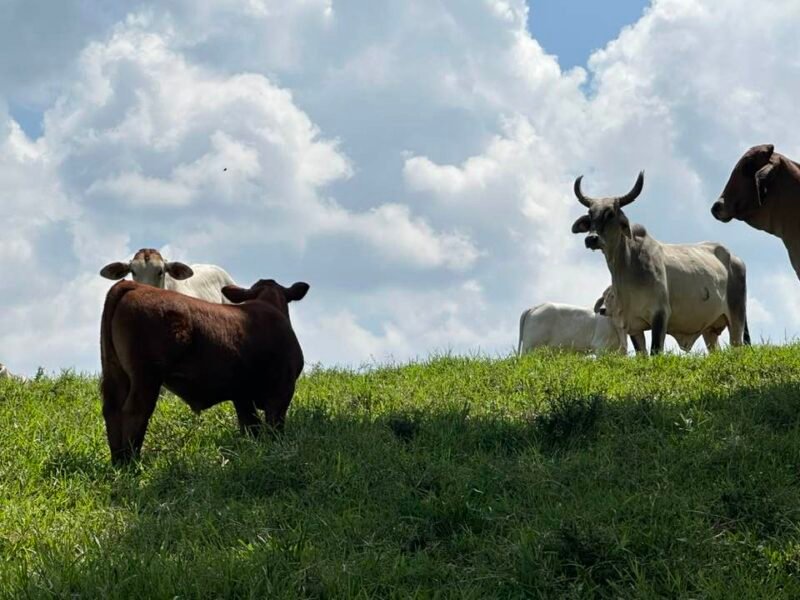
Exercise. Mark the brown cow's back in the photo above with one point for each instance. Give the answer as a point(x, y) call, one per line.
point(195, 347)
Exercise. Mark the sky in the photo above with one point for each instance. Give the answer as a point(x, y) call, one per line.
point(411, 160)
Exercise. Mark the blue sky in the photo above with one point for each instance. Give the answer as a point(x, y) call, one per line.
point(573, 29)
point(413, 161)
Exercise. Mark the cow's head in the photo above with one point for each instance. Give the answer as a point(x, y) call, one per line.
point(746, 190)
point(605, 221)
point(269, 291)
point(147, 266)
point(606, 304)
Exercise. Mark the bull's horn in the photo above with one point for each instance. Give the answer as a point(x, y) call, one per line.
point(634, 193)
point(585, 200)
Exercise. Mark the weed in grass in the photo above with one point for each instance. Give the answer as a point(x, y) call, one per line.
point(572, 420)
point(403, 427)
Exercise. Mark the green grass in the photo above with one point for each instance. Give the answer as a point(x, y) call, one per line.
point(548, 476)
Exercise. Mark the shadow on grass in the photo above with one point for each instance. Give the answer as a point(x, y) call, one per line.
point(409, 496)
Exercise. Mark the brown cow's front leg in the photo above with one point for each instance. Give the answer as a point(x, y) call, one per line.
point(277, 405)
point(659, 333)
point(249, 422)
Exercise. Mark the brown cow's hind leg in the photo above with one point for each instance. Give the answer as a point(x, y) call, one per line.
point(115, 387)
point(136, 414)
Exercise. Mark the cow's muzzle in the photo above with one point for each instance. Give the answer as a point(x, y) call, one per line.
point(592, 241)
point(720, 212)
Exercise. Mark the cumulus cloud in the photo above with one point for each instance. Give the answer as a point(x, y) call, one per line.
point(413, 162)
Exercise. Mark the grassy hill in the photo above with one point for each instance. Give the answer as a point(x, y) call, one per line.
point(552, 475)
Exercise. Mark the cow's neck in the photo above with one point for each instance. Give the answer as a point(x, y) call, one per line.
point(618, 256)
point(783, 218)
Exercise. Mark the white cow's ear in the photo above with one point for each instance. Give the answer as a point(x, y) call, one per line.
point(115, 270)
point(178, 270)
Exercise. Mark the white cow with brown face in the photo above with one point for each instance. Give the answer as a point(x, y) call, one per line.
point(148, 266)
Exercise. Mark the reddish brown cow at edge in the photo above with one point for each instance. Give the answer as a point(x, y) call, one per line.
point(205, 353)
point(763, 190)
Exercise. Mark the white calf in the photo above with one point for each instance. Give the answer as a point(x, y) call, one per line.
point(570, 327)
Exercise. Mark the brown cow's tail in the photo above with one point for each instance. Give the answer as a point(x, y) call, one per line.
point(108, 355)
point(746, 337)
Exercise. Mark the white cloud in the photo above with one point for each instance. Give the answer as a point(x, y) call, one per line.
point(413, 162)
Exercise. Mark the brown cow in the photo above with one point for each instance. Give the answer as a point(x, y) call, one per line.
point(763, 190)
point(205, 353)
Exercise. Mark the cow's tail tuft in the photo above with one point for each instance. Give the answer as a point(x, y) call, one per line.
point(746, 337)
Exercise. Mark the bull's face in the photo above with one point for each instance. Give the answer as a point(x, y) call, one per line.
point(148, 267)
point(605, 222)
point(746, 189)
point(269, 291)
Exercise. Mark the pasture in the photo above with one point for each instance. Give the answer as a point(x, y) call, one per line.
point(551, 475)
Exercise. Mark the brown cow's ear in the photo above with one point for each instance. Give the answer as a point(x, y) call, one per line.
point(115, 270)
point(758, 156)
point(582, 224)
point(236, 294)
point(764, 177)
point(296, 292)
point(178, 270)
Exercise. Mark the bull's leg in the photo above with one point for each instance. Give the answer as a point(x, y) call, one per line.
point(114, 387)
point(737, 329)
point(136, 412)
point(249, 422)
point(659, 333)
point(711, 338)
point(639, 343)
point(737, 304)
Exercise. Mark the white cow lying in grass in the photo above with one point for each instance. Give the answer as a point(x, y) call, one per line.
point(198, 281)
point(6, 374)
point(570, 327)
